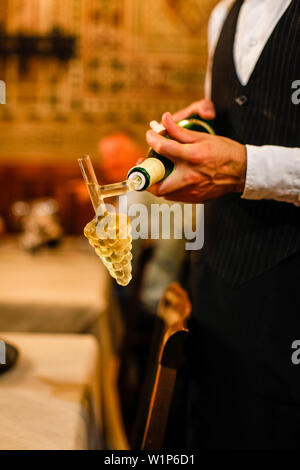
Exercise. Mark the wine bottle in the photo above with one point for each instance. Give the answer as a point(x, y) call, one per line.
point(156, 167)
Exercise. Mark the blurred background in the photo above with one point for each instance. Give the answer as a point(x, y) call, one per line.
point(83, 77)
point(79, 70)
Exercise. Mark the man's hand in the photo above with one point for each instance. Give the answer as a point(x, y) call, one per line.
point(205, 109)
point(206, 166)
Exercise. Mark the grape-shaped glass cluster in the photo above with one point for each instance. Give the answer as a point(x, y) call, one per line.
point(110, 236)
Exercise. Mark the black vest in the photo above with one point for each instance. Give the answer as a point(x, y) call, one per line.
point(244, 238)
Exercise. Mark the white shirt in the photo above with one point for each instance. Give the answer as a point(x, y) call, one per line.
point(273, 172)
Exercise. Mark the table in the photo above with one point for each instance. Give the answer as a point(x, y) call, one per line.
point(51, 399)
point(62, 290)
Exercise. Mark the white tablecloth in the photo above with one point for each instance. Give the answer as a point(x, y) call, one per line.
point(61, 290)
point(50, 400)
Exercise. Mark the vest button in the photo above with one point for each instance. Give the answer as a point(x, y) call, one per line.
point(241, 100)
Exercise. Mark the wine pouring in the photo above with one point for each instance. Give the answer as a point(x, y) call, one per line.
point(153, 169)
point(113, 245)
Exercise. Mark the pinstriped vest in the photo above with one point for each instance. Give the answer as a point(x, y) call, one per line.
point(244, 238)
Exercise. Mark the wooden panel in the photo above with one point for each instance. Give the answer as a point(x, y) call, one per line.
point(134, 60)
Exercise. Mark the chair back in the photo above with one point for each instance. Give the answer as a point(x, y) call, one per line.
point(167, 347)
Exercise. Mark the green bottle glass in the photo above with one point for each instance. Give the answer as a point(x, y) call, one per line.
point(156, 167)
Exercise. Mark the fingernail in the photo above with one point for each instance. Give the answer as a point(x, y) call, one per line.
point(168, 116)
point(156, 127)
point(149, 135)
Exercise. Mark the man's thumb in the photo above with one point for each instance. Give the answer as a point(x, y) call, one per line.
point(207, 109)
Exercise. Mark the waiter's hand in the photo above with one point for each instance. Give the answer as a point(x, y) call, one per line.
point(206, 166)
point(205, 109)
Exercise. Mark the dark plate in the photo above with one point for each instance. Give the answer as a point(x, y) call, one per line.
point(11, 358)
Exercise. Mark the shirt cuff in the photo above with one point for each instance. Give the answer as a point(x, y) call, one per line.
point(273, 173)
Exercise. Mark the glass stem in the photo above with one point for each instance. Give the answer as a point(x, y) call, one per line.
point(91, 182)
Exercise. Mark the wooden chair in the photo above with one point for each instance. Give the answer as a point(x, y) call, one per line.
point(164, 360)
point(156, 396)
point(136, 342)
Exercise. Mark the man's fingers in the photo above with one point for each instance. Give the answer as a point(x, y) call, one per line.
point(182, 176)
point(182, 195)
point(173, 183)
point(185, 112)
point(205, 109)
point(180, 134)
point(179, 152)
point(154, 189)
point(166, 147)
